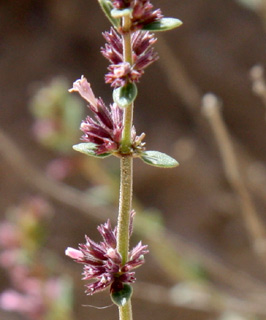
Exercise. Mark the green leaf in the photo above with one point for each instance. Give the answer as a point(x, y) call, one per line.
point(116, 13)
point(158, 159)
point(121, 297)
point(107, 7)
point(163, 25)
point(124, 96)
point(89, 149)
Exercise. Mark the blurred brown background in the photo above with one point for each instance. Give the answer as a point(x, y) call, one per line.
point(220, 41)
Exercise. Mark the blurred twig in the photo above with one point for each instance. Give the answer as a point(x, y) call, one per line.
point(254, 224)
point(15, 158)
point(195, 297)
point(180, 83)
point(178, 79)
point(258, 82)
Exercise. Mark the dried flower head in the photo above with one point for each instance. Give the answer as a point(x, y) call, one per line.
point(142, 53)
point(103, 263)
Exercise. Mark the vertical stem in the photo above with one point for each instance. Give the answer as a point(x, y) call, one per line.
point(128, 113)
point(124, 206)
point(126, 136)
point(126, 175)
point(126, 163)
point(125, 313)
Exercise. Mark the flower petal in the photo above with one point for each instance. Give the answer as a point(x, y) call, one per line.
point(73, 253)
point(83, 87)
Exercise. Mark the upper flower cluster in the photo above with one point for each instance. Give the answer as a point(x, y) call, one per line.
point(103, 262)
point(143, 12)
point(142, 54)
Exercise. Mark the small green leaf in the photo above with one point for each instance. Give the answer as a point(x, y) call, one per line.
point(107, 7)
point(116, 13)
point(89, 149)
point(158, 159)
point(124, 96)
point(163, 25)
point(121, 297)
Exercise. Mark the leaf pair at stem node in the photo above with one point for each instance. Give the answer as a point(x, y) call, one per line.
point(153, 158)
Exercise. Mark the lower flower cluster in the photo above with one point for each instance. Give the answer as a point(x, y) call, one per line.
point(103, 263)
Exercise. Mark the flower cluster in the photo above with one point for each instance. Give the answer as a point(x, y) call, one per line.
point(106, 131)
point(103, 262)
point(143, 12)
point(142, 53)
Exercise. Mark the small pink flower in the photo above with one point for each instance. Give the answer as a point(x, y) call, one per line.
point(73, 253)
point(106, 129)
point(84, 89)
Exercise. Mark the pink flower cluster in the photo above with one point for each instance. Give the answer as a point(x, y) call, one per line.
point(143, 55)
point(121, 72)
point(106, 130)
point(103, 263)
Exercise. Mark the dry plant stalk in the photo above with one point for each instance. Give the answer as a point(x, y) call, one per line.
point(258, 82)
point(254, 225)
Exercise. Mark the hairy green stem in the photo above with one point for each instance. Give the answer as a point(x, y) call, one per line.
point(126, 136)
point(126, 163)
point(126, 175)
point(128, 113)
point(125, 312)
point(124, 206)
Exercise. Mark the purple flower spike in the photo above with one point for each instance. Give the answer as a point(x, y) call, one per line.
point(103, 263)
point(106, 129)
point(143, 55)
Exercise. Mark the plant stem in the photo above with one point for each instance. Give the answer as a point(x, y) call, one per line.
point(128, 113)
point(126, 175)
point(125, 313)
point(126, 163)
point(126, 136)
point(124, 206)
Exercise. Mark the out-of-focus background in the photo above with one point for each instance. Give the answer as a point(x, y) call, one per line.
point(204, 221)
